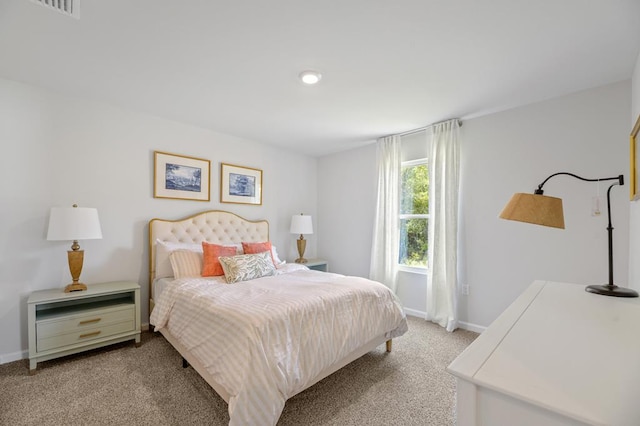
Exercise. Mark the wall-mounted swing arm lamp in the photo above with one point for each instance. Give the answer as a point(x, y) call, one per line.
point(540, 209)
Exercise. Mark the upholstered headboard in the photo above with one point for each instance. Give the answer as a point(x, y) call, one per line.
point(214, 226)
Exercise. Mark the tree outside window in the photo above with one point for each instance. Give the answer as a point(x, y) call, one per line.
point(414, 214)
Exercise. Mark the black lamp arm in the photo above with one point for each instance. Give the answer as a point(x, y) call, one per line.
point(609, 289)
point(619, 178)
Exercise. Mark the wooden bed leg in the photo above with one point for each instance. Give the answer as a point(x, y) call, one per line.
point(185, 363)
point(389, 345)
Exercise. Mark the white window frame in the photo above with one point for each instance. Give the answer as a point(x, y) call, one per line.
point(401, 267)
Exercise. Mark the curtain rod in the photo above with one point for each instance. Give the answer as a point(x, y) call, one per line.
point(421, 129)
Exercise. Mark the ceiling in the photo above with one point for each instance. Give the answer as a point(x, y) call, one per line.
point(387, 66)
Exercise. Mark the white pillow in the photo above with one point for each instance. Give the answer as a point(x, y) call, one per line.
point(246, 267)
point(186, 263)
point(276, 259)
point(163, 251)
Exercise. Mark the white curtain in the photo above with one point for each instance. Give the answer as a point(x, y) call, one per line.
point(444, 182)
point(384, 250)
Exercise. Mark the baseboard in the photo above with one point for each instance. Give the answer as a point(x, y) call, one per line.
point(471, 327)
point(14, 356)
point(461, 324)
point(415, 313)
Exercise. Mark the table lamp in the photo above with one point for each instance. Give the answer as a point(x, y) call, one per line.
point(301, 224)
point(74, 223)
point(540, 209)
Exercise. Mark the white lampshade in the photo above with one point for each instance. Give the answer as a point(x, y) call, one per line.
point(301, 224)
point(74, 223)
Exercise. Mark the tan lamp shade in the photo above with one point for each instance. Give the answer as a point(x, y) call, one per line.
point(536, 209)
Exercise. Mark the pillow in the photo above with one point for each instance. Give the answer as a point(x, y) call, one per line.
point(163, 251)
point(252, 248)
point(211, 252)
point(276, 259)
point(247, 266)
point(186, 263)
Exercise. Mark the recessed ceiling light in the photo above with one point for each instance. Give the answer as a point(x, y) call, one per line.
point(310, 77)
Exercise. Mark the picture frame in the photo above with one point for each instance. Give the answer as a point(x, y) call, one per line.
point(240, 185)
point(180, 177)
point(633, 153)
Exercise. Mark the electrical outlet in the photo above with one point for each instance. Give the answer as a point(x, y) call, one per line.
point(465, 290)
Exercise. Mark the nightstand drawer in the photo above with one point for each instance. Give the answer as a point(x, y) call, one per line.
point(60, 340)
point(89, 318)
point(93, 324)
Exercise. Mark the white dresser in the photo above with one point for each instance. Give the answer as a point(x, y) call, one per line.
point(557, 356)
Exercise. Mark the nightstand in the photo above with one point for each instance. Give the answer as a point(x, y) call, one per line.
point(66, 323)
point(317, 265)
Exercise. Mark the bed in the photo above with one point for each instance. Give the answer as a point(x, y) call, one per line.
point(259, 342)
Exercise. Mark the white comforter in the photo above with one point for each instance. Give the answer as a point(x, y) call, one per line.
point(265, 340)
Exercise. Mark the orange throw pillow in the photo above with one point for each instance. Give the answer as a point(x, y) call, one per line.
point(210, 253)
point(253, 248)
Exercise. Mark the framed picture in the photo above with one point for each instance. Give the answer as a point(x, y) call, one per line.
point(633, 153)
point(240, 185)
point(181, 177)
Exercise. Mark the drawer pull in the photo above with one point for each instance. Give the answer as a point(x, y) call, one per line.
point(95, 333)
point(91, 321)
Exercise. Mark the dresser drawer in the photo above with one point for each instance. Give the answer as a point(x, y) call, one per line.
point(90, 325)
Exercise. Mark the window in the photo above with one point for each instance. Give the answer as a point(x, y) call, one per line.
point(414, 214)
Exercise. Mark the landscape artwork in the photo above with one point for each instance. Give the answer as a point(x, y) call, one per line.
point(181, 177)
point(240, 185)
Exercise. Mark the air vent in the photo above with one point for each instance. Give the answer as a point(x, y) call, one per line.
point(68, 7)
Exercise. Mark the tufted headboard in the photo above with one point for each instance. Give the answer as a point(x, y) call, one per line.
point(214, 226)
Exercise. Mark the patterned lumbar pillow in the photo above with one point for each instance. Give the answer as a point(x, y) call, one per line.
point(247, 266)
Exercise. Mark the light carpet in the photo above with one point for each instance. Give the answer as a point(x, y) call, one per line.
point(124, 385)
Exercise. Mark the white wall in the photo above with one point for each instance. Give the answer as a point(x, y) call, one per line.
point(512, 151)
point(634, 207)
point(346, 194)
point(58, 151)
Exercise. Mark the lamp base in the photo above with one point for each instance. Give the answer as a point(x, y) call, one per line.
point(75, 287)
point(611, 290)
point(302, 245)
